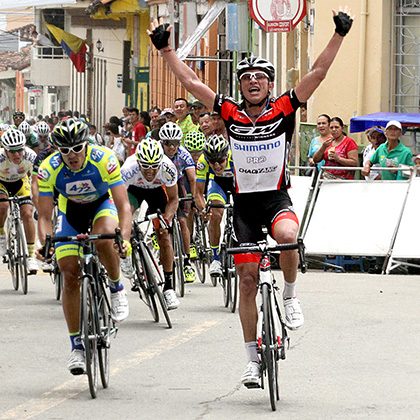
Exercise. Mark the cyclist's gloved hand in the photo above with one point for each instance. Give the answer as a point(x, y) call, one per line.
point(127, 249)
point(343, 23)
point(160, 36)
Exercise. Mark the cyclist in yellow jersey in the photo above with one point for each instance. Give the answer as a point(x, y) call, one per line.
point(92, 193)
point(16, 161)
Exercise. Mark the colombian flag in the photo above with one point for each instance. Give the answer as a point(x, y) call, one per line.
point(74, 46)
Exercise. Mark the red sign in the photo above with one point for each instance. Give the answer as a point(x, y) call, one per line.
point(277, 15)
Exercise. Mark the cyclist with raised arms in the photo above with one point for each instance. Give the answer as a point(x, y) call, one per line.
point(151, 176)
point(216, 165)
point(16, 162)
point(92, 195)
point(260, 130)
point(170, 135)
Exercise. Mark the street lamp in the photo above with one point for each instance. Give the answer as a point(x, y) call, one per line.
point(99, 46)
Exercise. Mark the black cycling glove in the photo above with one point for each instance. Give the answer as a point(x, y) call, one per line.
point(343, 23)
point(160, 36)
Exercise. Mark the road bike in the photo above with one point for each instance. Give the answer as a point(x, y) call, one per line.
point(96, 324)
point(148, 279)
point(271, 330)
point(229, 278)
point(17, 248)
point(202, 246)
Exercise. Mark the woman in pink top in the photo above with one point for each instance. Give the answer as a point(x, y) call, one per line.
point(339, 150)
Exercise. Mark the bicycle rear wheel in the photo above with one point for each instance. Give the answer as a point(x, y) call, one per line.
point(142, 285)
point(199, 240)
point(179, 279)
point(270, 350)
point(88, 331)
point(58, 281)
point(23, 268)
point(104, 344)
point(232, 279)
point(155, 281)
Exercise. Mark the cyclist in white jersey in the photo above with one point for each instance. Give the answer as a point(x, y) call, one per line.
point(151, 176)
point(260, 130)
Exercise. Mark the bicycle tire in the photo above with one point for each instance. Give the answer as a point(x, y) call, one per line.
point(269, 351)
point(88, 332)
point(232, 279)
point(146, 294)
point(199, 240)
point(104, 345)
point(179, 279)
point(23, 267)
point(58, 282)
point(156, 281)
point(11, 256)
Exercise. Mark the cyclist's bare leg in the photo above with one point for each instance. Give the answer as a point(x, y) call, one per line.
point(285, 232)
point(26, 211)
point(4, 206)
point(248, 278)
point(166, 250)
point(185, 233)
point(106, 251)
point(71, 291)
point(214, 224)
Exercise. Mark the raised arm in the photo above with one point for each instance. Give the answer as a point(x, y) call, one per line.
point(159, 35)
point(313, 79)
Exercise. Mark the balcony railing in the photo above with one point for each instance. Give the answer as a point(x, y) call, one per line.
point(41, 53)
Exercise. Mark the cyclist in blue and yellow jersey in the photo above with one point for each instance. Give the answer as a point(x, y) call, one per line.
point(150, 176)
point(171, 135)
point(31, 140)
point(216, 165)
point(92, 195)
point(16, 162)
point(260, 130)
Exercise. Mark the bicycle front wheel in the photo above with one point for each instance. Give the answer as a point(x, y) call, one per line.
point(232, 279)
point(23, 268)
point(12, 253)
point(104, 344)
point(200, 261)
point(178, 259)
point(270, 349)
point(89, 334)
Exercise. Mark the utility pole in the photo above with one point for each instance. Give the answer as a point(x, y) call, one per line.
point(89, 75)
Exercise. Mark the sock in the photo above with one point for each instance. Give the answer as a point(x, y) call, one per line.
point(31, 248)
point(76, 341)
point(115, 285)
point(289, 290)
point(251, 351)
point(2, 232)
point(168, 280)
point(215, 250)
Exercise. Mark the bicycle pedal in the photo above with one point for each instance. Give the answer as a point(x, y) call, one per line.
point(252, 385)
point(77, 371)
point(5, 259)
point(32, 273)
point(135, 288)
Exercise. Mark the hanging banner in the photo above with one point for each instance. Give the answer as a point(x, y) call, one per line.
point(277, 15)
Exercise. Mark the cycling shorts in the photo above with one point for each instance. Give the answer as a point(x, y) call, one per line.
point(70, 222)
point(155, 198)
point(184, 190)
point(20, 188)
point(252, 211)
point(219, 190)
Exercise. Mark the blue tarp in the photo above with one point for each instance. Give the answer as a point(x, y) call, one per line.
point(362, 123)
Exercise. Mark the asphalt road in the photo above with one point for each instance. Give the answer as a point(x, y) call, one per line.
point(356, 357)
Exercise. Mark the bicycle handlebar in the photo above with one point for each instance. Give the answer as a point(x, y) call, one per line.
point(157, 215)
point(263, 247)
point(16, 198)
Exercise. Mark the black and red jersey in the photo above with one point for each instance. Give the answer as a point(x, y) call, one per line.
point(260, 149)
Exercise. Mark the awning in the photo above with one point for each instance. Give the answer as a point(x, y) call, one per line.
point(362, 123)
point(9, 4)
point(208, 19)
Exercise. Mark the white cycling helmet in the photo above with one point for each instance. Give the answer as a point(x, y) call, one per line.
point(42, 128)
point(4, 127)
point(216, 147)
point(13, 139)
point(170, 131)
point(25, 128)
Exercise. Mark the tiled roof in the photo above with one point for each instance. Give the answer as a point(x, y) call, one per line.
point(25, 32)
point(16, 60)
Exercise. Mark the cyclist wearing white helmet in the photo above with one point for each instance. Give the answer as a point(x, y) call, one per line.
point(147, 175)
point(171, 135)
point(16, 161)
point(31, 140)
point(42, 129)
point(260, 131)
point(216, 165)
